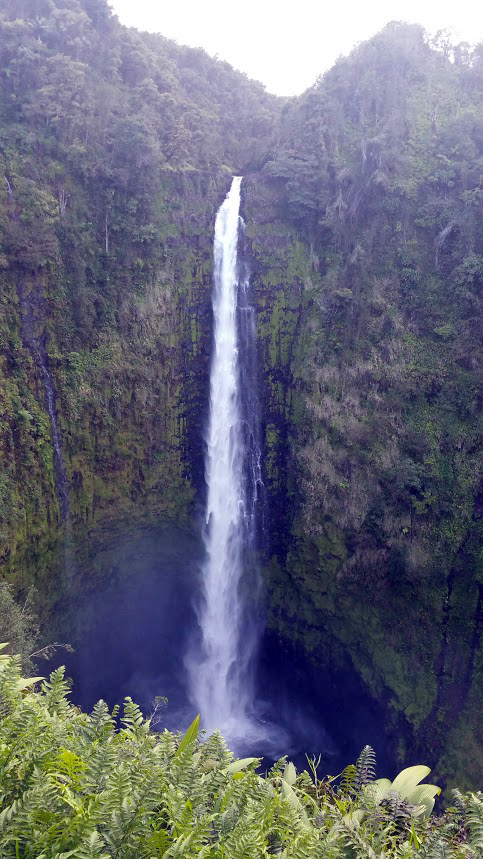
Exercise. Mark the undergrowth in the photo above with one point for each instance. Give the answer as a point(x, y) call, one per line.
point(106, 785)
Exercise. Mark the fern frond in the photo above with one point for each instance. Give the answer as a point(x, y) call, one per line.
point(55, 691)
point(474, 822)
point(439, 850)
point(365, 767)
point(459, 800)
point(399, 810)
point(132, 717)
point(349, 783)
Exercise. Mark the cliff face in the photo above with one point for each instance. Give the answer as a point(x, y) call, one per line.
point(113, 164)
point(128, 366)
point(373, 470)
point(378, 561)
point(364, 225)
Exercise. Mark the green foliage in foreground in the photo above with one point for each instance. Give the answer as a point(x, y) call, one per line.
point(77, 785)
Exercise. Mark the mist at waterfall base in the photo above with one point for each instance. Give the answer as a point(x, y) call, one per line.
point(130, 617)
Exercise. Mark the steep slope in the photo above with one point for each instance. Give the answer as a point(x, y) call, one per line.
point(364, 230)
point(117, 148)
point(379, 171)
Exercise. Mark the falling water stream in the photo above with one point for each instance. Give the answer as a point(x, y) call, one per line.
point(141, 620)
point(61, 477)
point(130, 629)
point(220, 674)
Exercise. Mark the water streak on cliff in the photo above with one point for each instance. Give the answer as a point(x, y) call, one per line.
point(58, 459)
point(10, 197)
point(221, 673)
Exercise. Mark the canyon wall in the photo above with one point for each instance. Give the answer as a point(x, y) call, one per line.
point(363, 209)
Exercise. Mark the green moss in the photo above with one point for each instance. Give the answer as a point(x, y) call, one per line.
point(127, 387)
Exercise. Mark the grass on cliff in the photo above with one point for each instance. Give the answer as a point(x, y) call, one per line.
point(105, 785)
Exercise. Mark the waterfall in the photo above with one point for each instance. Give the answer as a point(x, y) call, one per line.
point(220, 673)
point(10, 197)
point(61, 477)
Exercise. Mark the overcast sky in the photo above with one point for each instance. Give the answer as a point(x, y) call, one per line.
point(286, 44)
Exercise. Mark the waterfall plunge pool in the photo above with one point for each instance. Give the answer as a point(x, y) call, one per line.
point(128, 612)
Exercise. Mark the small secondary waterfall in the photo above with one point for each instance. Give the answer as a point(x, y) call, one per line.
point(61, 476)
point(10, 197)
point(220, 675)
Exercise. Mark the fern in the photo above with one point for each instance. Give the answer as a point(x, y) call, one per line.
point(440, 850)
point(365, 767)
point(227, 820)
point(132, 717)
point(474, 822)
point(247, 840)
point(302, 845)
point(92, 846)
point(459, 801)
point(398, 810)
point(406, 850)
point(101, 723)
point(76, 786)
point(56, 689)
point(350, 781)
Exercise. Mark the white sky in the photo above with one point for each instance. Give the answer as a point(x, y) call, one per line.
point(286, 44)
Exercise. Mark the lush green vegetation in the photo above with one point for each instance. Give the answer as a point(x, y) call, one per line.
point(85, 786)
point(19, 625)
point(115, 150)
point(376, 432)
point(363, 201)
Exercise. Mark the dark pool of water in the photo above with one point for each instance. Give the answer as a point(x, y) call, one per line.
point(129, 614)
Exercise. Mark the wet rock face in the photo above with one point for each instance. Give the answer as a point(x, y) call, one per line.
point(120, 433)
point(129, 613)
point(367, 569)
point(279, 268)
point(374, 562)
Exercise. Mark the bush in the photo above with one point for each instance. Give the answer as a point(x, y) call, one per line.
point(103, 785)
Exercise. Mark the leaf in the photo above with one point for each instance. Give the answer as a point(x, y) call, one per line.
point(366, 762)
point(408, 778)
point(292, 798)
point(354, 818)
point(159, 841)
point(290, 773)
point(236, 766)
point(424, 795)
point(4, 657)
point(425, 791)
point(7, 813)
point(189, 737)
point(378, 790)
point(24, 683)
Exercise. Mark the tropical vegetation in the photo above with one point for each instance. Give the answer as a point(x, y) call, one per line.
point(104, 784)
point(363, 204)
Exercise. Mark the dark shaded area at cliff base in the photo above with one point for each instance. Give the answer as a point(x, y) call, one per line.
point(130, 616)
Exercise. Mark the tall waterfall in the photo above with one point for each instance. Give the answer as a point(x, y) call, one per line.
point(220, 674)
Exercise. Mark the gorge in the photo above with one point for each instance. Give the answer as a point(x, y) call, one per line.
point(362, 206)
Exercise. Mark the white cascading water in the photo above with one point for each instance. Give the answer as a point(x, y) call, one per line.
point(219, 674)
